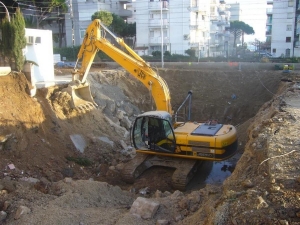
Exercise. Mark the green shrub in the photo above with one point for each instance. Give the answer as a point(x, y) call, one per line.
point(80, 161)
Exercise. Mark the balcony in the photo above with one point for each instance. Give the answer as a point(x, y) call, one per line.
point(269, 32)
point(196, 44)
point(157, 6)
point(125, 13)
point(157, 40)
point(158, 23)
point(221, 11)
point(214, 18)
point(269, 11)
point(199, 9)
point(125, 1)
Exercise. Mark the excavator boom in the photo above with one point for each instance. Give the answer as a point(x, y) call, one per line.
point(134, 64)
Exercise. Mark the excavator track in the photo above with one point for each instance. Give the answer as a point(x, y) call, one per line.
point(134, 168)
point(185, 171)
point(184, 168)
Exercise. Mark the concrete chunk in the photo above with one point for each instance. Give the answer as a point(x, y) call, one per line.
point(20, 211)
point(144, 208)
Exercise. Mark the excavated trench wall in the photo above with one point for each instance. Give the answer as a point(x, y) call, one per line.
point(227, 92)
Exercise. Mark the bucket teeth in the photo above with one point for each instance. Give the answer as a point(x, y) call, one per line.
point(86, 107)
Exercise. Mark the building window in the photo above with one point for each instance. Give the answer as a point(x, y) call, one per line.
point(288, 27)
point(38, 40)
point(288, 39)
point(288, 53)
point(291, 3)
point(151, 33)
point(290, 15)
point(82, 32)
point(274, 50)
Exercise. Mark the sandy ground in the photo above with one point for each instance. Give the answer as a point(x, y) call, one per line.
point(38, 155)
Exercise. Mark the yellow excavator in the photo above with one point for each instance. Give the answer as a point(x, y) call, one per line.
point(157, 139)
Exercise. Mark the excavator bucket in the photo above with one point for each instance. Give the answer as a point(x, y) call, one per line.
point(81, 96)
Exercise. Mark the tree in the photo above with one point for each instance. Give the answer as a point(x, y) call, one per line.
point(118, 24)
point(105, 17)
point(43, 10)
point(238, 29)
point(129, 30)
point(7, 41)
point(19, 40)
point(190, 52)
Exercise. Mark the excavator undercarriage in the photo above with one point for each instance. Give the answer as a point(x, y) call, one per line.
point(184, 168)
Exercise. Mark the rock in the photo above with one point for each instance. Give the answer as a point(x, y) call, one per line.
point(233, 220)
point(21, 211)
point(3, 192)
point(45, 181)
point(123, 144)
point(112, 168)
point(30, 179)
point(247, 184)
point(106, 140)
point(283, 222)
point(144, 191)
point(120, 114)
point(176, 194)
point(158, 194)
point(119, 166)
point(112, 106)
point(68, 180)
point(144, 208)
point(177, 218)
point(6, 205)
point(125, 122)
point(274, 188)
point(162, 222)
point(128, 110)
point(3, 215)
point(262, 203)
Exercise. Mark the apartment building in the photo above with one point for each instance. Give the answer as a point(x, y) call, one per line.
point(179, 25)
point(80, 12)
point(283, 27)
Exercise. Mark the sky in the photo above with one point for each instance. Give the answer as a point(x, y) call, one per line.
point(253, 14)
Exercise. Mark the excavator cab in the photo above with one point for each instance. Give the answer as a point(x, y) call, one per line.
point(153, 131)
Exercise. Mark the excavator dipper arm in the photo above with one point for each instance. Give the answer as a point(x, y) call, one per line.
point(134, 64)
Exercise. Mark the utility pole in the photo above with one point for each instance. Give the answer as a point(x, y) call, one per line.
point(72, 20)
point(162, 36)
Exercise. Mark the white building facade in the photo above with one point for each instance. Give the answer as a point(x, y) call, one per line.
point(179, 25)
point(283, 28)
point(80, 12)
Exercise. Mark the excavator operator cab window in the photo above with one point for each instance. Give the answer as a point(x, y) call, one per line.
point(152, 133)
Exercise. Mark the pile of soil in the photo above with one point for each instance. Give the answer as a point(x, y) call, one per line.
point(38, 156)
